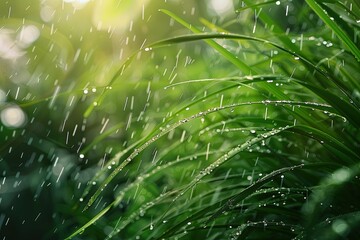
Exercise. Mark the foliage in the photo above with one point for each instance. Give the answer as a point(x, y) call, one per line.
point(241, 125)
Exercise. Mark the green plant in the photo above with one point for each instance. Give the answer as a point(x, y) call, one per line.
point(245, 131)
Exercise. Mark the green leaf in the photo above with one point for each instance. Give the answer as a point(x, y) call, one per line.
point(318, 9)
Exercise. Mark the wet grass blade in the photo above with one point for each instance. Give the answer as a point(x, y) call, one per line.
point(89, 223)
point(317, 7)
point(251, 189)
point(276, 29)
point(228, 55)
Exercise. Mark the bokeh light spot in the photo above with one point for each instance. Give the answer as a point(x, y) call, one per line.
point(13, 117)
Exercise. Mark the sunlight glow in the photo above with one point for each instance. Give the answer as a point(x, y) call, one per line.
point(77, 1)
point(77, 4)
point(222, 7)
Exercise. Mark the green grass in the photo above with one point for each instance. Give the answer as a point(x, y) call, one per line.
point(227, 131)
point(208, 202)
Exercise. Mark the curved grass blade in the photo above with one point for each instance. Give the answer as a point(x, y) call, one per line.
point(227, 156)
point(273, 90)
point(228, 55)
point(254, 6)
point(120, 196)
point(318, 9)
point(346, 109)
point(184, 121)
point(112, 162)
point(334, 145)
point(280, 33)
point(251, 189)
point(100, 98)
point(89, 223)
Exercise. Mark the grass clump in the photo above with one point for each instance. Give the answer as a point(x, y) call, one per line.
point(267, 148)
point(230, 129)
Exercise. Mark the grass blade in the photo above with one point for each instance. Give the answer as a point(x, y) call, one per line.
point(317, 7)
